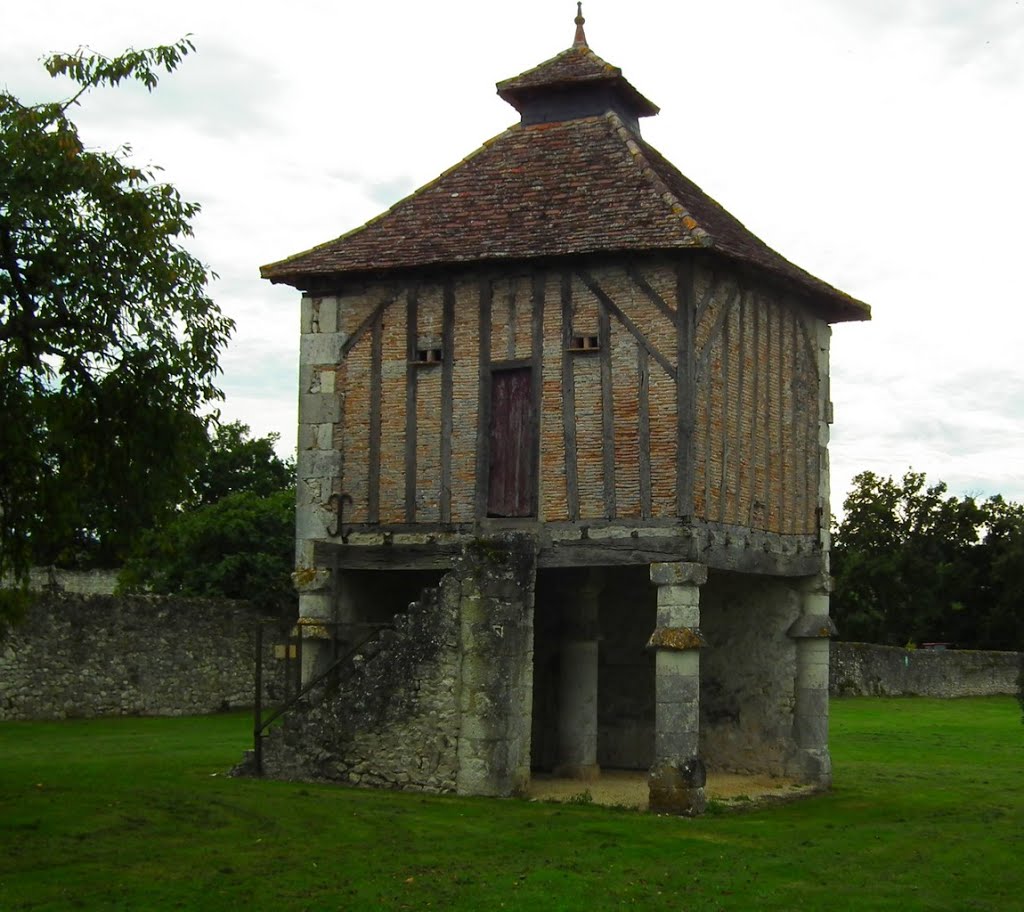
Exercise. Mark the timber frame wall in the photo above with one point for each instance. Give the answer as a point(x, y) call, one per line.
point(699, 400)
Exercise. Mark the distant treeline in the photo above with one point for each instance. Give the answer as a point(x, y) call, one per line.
point(913, 564)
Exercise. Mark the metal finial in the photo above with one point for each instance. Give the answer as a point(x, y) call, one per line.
point(580, 40)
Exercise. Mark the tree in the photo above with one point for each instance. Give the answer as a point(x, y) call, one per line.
point(108, 339)
point(912, 563)
point(234, 538)
point(234, 462)
point(242, 547)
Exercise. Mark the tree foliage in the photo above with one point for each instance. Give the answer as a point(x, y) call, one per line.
point(234, 537)
point(242, 547)
point(914, 564)
point(108, 339)
point(235, 463)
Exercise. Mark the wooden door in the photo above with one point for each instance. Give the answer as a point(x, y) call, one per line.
point(513, 443)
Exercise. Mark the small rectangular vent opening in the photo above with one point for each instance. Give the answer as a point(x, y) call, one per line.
point(584, 344)
point(428, 356)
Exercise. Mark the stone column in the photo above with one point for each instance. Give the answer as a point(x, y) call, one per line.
point(318, 466)
point(577, 693)
point(811, 761)
point(677, 778)
point(314, 627)
point(497, 575)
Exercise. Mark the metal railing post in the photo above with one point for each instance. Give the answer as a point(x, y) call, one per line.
point(257, 735)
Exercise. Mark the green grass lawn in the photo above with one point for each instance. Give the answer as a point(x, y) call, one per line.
point(927, 813)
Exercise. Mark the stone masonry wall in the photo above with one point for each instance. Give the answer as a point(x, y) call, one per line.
point(747, 673)
point(93, 655)
point(862, 669)
point(441, 703)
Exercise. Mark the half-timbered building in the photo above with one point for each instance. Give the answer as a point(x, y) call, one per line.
point(567, 391)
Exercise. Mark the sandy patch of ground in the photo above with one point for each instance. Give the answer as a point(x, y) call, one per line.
point(628, 788)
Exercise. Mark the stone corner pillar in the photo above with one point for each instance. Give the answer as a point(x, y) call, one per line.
point(495, 675)
point(315, 587)
point(677, 777)
point(810, 760)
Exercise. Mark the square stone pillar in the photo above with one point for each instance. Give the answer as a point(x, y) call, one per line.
point(811, 631)
point(677, 778)
point(577, 692)
point(315, 623)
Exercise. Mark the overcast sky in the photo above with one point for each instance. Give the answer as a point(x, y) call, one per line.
point(876, 143)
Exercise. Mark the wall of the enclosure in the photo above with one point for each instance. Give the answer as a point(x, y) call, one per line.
point(761, 423)
point(747, 672)
point(862, 669)
point(92, 655)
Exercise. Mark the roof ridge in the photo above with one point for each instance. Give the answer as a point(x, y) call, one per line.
point(419, 191)
point(640, 159)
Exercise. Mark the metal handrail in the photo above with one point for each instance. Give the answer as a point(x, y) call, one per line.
point(260, 724)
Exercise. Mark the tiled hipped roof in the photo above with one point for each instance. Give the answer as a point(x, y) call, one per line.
point(573, 187)
point(577, 185)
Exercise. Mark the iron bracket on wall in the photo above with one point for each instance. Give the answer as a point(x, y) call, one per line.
point(338, 501)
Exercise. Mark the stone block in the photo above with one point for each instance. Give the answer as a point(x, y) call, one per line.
point(319, 408)
point(311, 579)
point(676, 718)
point(811, 731)
point(320, 464)
point(306, 315)
point(684, 596)
point(678, 616)
point(679, 573)
point(678, 789)
point(312, 522)
point(327, 316)
point(673, 688)
point(323, 436)
point(674, 662)
point(320, 348)
point(812, 701)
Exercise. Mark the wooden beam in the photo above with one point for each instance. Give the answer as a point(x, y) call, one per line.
point(755, 393)
point(716, 330)
point(447, 397)
point(537, 355)
point(685, 383)
point(572, 491)
point(723, 478)
point(373, 484)
point(411, 340)
point(644, 429)
point(604, 338)
point(368, 321)
point(742, 455)
point(656, 299)
point(613, 308)
point(707, 297)
point(483, 428)
point(387, 557)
